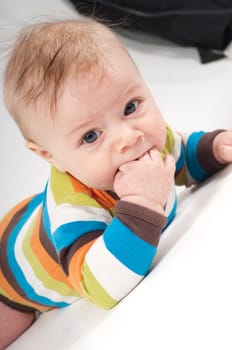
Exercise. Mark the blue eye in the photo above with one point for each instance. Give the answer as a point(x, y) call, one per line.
point(91, 136)
point(131, 107)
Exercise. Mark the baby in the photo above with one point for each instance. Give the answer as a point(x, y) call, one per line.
point(81, 104)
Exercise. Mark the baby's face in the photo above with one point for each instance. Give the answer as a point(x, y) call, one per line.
point(102, 124)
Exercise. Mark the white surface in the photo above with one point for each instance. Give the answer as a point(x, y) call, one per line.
point(185, 302)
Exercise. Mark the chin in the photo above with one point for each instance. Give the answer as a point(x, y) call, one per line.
point(103, 187)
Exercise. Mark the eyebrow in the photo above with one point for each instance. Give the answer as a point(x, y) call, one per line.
point(129, 90)
point(84, 124)
point(79, 126)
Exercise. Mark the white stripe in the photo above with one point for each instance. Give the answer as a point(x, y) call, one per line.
point(171, 201)
point(28, 272)
point(50, 201)
point(112, 275)
point(66, 213)
point(177, 146)
point(190, 180)
point(51, 204)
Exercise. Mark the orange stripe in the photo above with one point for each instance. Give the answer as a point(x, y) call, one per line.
point(78, 186)
point(14, 296)
point(53, 269)
point(10, 292)
point(101, 197)
point(8, 217)
point(75, 267)
point(104, 199)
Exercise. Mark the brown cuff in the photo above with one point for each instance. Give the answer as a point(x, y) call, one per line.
point(145, 223)
point(16, 306)
point(205, 152)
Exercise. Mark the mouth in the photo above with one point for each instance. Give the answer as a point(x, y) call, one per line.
point(143, 153)
point(140, 155)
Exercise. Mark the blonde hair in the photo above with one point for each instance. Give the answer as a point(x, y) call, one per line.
point(44, 55)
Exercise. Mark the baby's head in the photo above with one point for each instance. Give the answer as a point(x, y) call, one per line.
point(44, 56)
point(79, 100)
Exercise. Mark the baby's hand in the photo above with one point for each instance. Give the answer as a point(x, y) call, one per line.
point(146, 181)
point(222, 147)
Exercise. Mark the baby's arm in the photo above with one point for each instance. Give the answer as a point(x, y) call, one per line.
point(106, 262)
point(147, 181)
point(120, 258)
point(196, 158)
point(222, 147)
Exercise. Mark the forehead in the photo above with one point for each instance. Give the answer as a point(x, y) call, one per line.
point(92, 96)
point(114, 73)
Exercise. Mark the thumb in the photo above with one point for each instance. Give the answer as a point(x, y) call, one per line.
point(226, 154)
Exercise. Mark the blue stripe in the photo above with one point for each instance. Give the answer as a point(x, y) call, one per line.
point(68, 233)
point(128, 248)
point(45, 216)
point(180, 161)
point(17, 272)
point(194, 167)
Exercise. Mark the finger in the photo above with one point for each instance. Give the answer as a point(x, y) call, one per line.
point(125, 167)
point(226, 153)
point(145, 157)
point(170, 163)
point(155, 154)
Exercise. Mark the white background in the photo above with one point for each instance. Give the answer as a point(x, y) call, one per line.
point(185, 302)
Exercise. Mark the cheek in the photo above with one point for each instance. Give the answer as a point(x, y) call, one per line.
point(93, 171)
point(157, 128)
point(161, 135)
point(99, 179)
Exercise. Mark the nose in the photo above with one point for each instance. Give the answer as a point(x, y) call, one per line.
point(127, 139)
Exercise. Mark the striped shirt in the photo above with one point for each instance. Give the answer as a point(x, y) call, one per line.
point(72, 241)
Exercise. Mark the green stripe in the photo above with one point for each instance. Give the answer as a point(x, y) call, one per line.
point(170, 142)
point(2, 292)
point(79, 198)
point(46, 279)
point(98, 294)
point(181, 178)
point(63, 192)
point(61, 185)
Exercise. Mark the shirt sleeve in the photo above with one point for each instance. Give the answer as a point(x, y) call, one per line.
point(194, 157)
point(105, 259)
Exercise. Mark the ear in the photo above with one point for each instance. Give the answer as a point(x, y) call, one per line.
point(40, 151)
